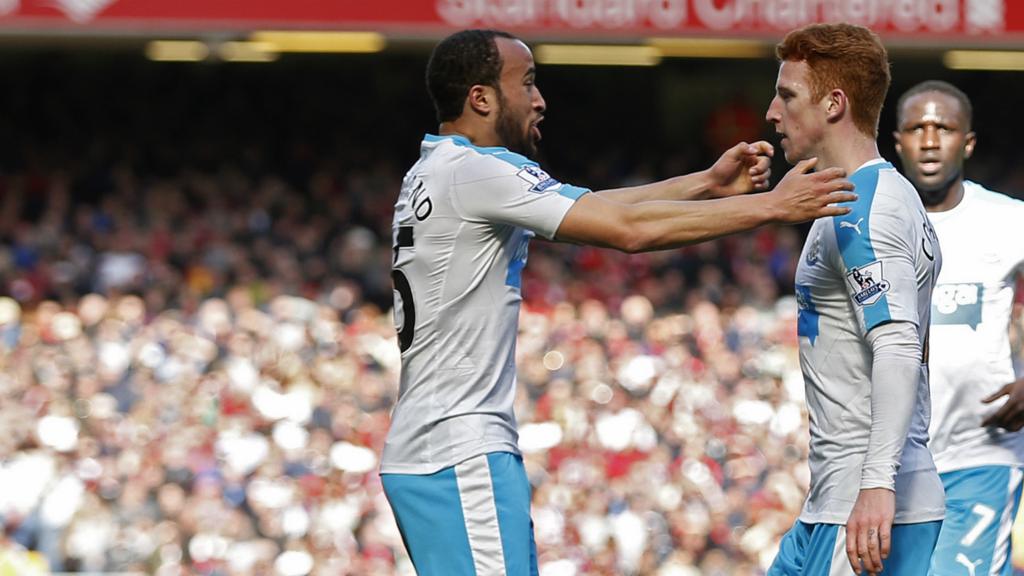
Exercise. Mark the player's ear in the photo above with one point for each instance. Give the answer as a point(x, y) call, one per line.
point(835, 105)
point(896, 142)
point(969, 141)
point(481, 99)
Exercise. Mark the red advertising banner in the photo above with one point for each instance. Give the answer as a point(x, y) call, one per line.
point(970, 21)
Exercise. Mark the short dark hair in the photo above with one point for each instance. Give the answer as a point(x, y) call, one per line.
point(459, 62)
point(845, 56)
point(941, 87)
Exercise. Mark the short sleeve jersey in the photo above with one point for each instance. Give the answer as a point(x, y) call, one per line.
point(983, 242)
point(875, 265)
point(461, 231)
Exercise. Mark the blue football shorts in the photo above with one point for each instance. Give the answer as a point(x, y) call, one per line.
point(981, 504)
point(820, 550)
point(472, 519)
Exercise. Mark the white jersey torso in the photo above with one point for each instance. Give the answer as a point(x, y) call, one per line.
point(875, 265)
point(983, 242)
point(461, 230)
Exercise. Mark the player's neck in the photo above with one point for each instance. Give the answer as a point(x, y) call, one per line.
point(954, 195)
point(847, 151)
point(478, 133)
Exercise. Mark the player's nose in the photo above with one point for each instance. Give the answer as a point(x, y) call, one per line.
point(772, 115)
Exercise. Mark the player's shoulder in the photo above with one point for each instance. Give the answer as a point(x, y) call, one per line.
point(879, 186)
point(992, 199)
point(471, 163)
point(878, 177)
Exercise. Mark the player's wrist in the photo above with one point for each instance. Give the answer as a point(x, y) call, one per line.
point(773, 206)
point(698, 186)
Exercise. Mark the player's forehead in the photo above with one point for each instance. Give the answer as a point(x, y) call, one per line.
point(794, 75)
point(931, 107)
point(516, 58)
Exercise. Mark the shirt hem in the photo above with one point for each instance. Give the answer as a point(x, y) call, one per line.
point(931, 515)
point(424, 468)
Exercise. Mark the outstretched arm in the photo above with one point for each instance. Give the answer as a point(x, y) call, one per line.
point(741, 169)
point(660, 224)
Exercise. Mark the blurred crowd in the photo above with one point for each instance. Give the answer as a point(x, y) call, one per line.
point(197, 375)
point(198, 360)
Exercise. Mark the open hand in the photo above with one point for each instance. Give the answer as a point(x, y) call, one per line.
point(803, 195)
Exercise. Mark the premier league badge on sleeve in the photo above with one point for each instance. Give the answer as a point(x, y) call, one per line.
point(867, 283)
point(538, 179)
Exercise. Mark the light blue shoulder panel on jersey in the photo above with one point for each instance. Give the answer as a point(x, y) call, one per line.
point(854, 238)
point(501, 153)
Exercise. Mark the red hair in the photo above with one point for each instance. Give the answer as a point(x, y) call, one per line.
point(844, 56)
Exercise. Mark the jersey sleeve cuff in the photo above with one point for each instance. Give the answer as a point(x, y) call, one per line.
point(878, 476)
point(572, 192)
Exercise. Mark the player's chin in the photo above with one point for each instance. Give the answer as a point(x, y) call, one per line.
point(532, 144)
point(792, 157)
point(928, 182)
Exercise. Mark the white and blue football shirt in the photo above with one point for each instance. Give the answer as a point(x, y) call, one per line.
point(983, 244)
point(461, 230)
point(876, 264)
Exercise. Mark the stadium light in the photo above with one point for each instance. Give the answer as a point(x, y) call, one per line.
point(177, 51)
point(983, 60)
point(301, 41)
point(248, 52)
point(708, 48)
point(597, 55)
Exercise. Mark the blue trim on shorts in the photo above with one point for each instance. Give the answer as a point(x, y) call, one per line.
point(972, 495)
point(512, 500)
point(428, 510)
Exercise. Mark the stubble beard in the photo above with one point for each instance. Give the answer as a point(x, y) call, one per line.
point(511, 133)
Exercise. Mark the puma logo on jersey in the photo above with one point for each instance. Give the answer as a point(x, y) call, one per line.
point(961, 558)
point(854, 225)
